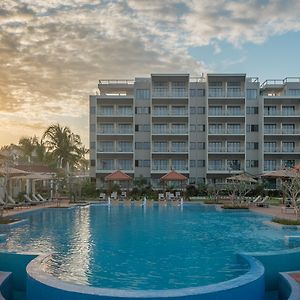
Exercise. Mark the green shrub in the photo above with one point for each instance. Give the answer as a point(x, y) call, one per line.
point(285, 221)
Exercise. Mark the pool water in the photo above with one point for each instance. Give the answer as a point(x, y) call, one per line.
point(144, 248)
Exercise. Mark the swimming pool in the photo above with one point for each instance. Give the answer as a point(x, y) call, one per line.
point(144, 248)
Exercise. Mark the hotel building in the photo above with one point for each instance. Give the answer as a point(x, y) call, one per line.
point(207, 128)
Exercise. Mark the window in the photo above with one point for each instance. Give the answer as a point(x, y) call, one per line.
point(234, 147)
point(179, 147)
point(216, 164)
point(124, 146)
point(93, 163)
point(201, 127)
point(193, 110)
point(288, 128)
point(107, 164)
point(288, 110)
point(252, 145)
point(215, 146)
point(251, 94)
point(142, 145)
point(160, 147)
point(270, 110)
point(216, 128)
point(142, 110)
point(234, 164)
point(215, 110)
point(201, 145)
point(193, 128)
point(252, 128)
point(161, 110)
point(270, 147)
point(197, 92)
point(160, 164)
point(142, 94)
point(124, 128)
point(179, 128)
point(270, 165)
point(93, 145)
point(144, 163)
point(234, 92)
point(192, 163)
point(288, 163)
point(234, 128)
point(288, 146)
point(125, 110)
point(294, 92)
point(270, 128)
point(179, 110)
point(252, 163)
point(106, 110)
point(215, 83)
point(142, 128)
point(201, 163)
point(252, 110)
point(160, 128)
point(201, 110)
point(234, 110)
point(179, 164)
point(107, 128)
point(106, 146)
point(125, 164)
point(193, 145)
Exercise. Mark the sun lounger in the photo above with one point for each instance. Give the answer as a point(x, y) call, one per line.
point(161, 197)
point(114, 196)
point(123, 196)
point(263, 202)
point(257, 199)
point(102, 197)
point(29, 200)
point(41, 198)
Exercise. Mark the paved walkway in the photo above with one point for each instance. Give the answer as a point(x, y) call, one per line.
point(275, 211)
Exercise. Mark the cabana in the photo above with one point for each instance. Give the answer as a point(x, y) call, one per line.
point(174, 176)
point(118, 176)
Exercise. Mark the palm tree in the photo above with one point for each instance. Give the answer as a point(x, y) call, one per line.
point(63, 145)
point(27, 146)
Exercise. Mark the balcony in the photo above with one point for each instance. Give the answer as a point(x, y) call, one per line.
point(166, 93)
point(115, 132)
point(282, 151)
point(227, 131)
point(167, 113)
point(222, 93)
point(226, 113)
point(170, 150)
point(225, 150)
point(170, 132)
point(281, 132)
point(279, 113)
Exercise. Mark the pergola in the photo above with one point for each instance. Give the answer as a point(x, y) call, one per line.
point(173, 176)
point(117, 176)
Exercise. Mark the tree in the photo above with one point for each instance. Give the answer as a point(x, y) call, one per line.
point(64, 146)
point(27, 146)
point(291, 188)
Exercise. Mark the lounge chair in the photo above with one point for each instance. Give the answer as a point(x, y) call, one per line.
point(114, 196)
point(177, 195)
point(257, 199)
point(263, 202)
point(123, 196)
point(102, 197)
point(41, 198)
point(36, 199)
point(29, 200)
point(161, 197)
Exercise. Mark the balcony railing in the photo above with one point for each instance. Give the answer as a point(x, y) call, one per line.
point(280, 113)
point(225, 150)
point(281, 131)
point(115, 131)
point(226, 113)
point(220, 92)
point(170, 113)
point(115, 114)
point(282, 151)
point(228, 131)
point(171, 150)
point(163, 92)
point(169, 131)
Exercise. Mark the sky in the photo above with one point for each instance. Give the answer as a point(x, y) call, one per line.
point(53, 52)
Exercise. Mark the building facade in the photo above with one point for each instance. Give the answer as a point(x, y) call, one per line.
point(207, 128)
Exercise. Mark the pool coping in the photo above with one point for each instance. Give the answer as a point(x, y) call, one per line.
point(255, 272)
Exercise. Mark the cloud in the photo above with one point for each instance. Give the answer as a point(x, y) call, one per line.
point(53, 52)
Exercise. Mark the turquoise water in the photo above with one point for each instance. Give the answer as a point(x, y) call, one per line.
point(144, 248)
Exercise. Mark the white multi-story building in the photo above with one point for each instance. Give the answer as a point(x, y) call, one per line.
point(206, 128)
